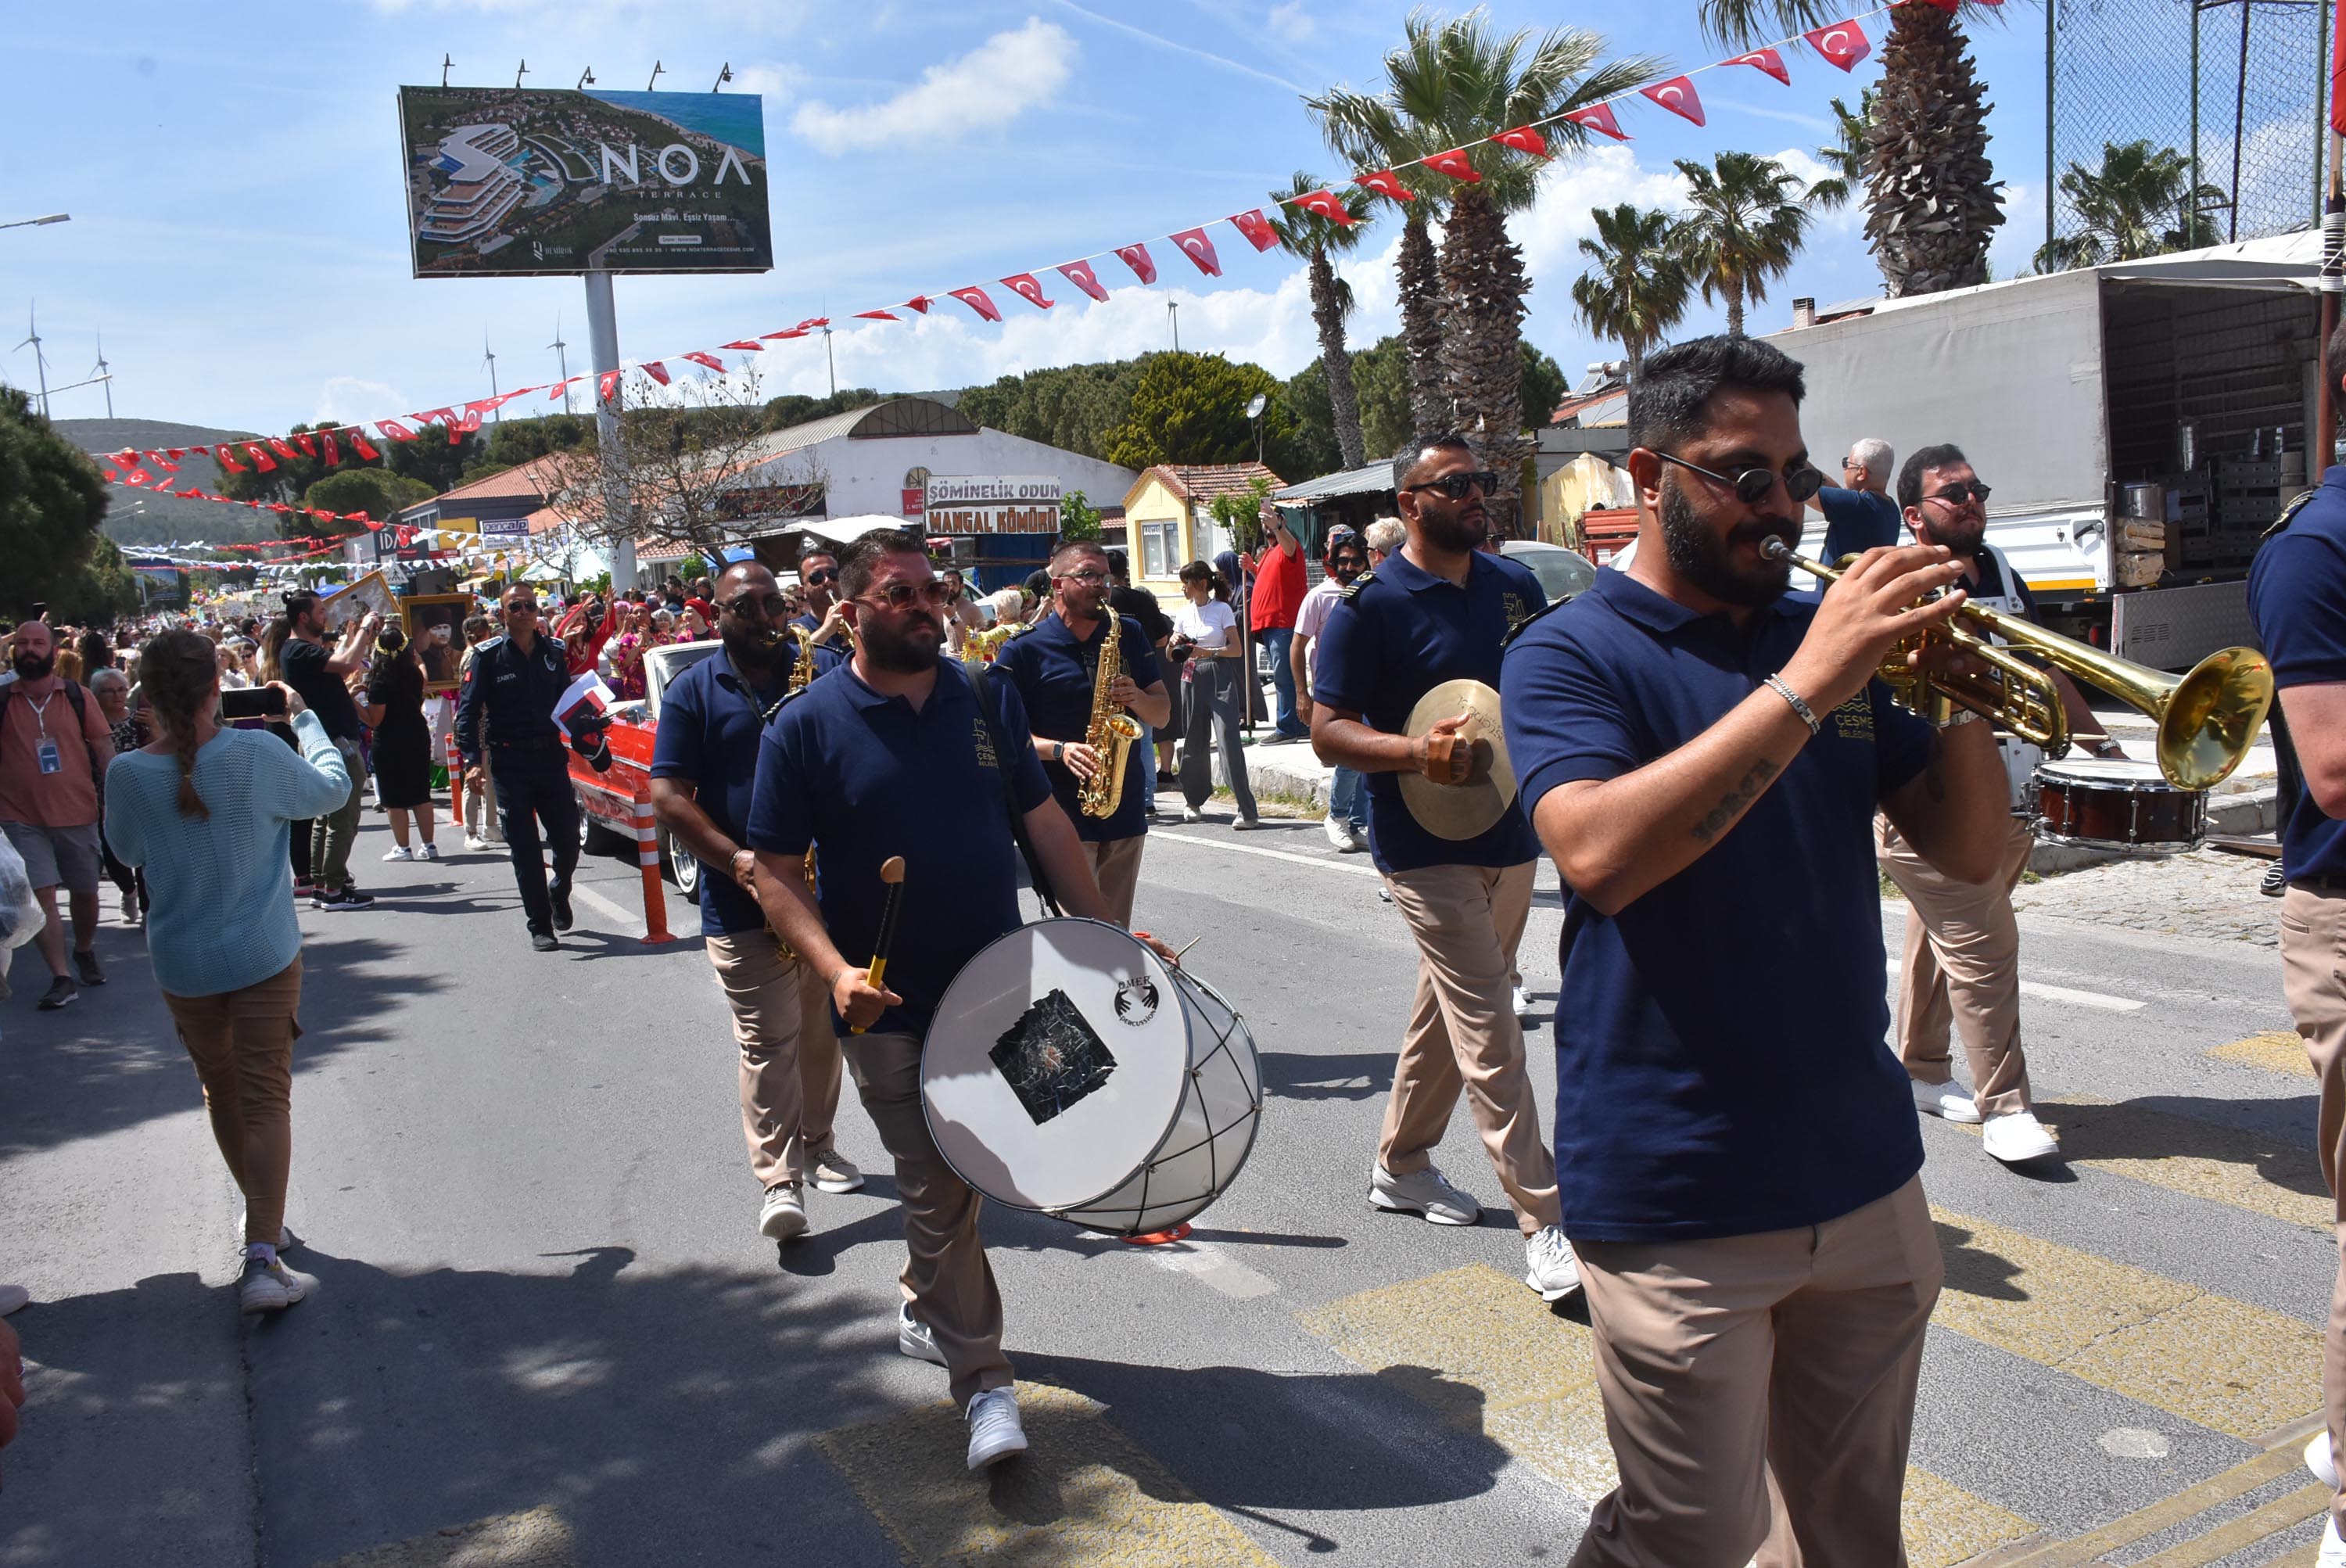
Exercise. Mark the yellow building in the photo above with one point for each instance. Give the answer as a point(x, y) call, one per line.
point(1168, 519)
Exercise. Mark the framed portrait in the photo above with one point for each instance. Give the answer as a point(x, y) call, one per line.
point(370, 594)
point(435, 625)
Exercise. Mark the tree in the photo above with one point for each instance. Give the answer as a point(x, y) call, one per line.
point(1540, 386)
point(1311, 450)
point(1074, 407)
point(2141, 202)
point(1191, 408)
point(1079, 520)
point(1640, 287)
point(1847, 155)
point(696, 473)
point(52, 500)
point(1241, 513)
point(432, 459)
point(1743, 226)
point(373, 490)
point(797, 408)
point(1316, 239)
point(1381, 372)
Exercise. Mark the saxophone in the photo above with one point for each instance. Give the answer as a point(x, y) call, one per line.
point(1112, 730)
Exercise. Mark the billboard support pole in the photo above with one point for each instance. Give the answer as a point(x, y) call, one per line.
point(603, 331)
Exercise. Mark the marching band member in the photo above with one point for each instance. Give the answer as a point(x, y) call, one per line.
point(1438, 610)
point(704, 760)
point(1055, 664)
point(1735, 1152)
point(892, 755)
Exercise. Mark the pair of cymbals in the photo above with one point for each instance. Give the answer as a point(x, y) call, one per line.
point(1468, 810)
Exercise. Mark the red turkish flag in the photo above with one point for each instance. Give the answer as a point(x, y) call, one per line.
point(260, 455)
point(1256, 227)
point(434, 416)
point(111, 475)
point(334, 452)
point(1456, 164)
point(1766, 60)
point(1198, 248)
point(127, 457)
point(1523, 138)
point(282, 450)
point(1081, 275)
point(393, 429)
point(190, 493)
point(309, 447)
point(657, 371)
point(811, 322)
point(1029, 287)
point(1677, 95)
point(877, 316)
point(1137, 257)
point(745, 345)
point(975, 299)
point(699, 358)
point(176, 453)
point(606, 386)
point(463, 427)
point(359, 441)
point(161, 460)
point(136, 476)
point(1327, 204)
point(1385, 183)
point(1844, 43)
point(919, 302)
point(786, 332)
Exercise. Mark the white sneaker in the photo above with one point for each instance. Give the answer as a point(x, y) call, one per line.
point(400, 852)
point(1427, 1192)
point(834, 1172)
point(2318, 1460)
point(1524, 1008)
point(474, 841)
point(13, 1297)
point(428, 852)
point(1550, 1268)
point(783, 1215)
point(2332, 1553)
point(995, 1433)
point(1191, 814)
point(916, 1339)
point(271, 1287)
point(2017, 1135)
point(1945, 1101)
point(1339, 835)
point(1246, 824)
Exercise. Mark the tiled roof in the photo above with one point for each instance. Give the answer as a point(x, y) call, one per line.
point(1204, 481)
point(534, 477)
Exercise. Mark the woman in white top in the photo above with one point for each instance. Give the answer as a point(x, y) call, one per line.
point(1205, 633)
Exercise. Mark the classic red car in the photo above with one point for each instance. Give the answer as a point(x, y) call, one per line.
point(606, 801)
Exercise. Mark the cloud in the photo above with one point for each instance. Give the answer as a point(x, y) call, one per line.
point(983, 89)
point(1293, 22)
point(776, 82)
point(350, 398)
point(1164, 42)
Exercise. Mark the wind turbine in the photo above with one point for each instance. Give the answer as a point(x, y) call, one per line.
point(561, 358)
point(40, 361)
point(104, 374)
point(489, 358)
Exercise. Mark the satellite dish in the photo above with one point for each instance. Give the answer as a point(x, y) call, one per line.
point(1256, 406)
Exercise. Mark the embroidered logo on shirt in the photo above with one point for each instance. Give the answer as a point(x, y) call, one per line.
point(1515, 609)
point(985, 757)
point(1853, 720)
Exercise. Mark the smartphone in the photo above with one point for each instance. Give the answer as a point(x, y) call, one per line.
point(253, 702)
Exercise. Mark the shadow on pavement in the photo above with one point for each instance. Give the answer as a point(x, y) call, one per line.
point(1306, 1076)
point(2190, 1126)
point(1975, 1271)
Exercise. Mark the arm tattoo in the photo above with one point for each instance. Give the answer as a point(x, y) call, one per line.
point(1730, 805)
point(1934, 779)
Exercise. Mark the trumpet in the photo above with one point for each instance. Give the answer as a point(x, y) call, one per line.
point(2207, 717)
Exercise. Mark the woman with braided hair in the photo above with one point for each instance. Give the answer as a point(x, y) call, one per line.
point(205, 811)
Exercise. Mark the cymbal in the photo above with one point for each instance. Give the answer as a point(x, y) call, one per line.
point(1461, 811)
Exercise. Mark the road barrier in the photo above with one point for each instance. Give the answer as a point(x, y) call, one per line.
point(647, 857)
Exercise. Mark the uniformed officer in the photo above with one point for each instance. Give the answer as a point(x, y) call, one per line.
point(1439, 609)
point(514, 682)
point(1055, 664)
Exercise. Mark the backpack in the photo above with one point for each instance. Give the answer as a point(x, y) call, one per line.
point(80, 701)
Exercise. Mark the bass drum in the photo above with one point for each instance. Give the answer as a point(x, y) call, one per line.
point(2117, 804)
point(1072, 1072)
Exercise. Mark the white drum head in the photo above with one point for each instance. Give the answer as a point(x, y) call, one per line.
point(2122, 772)
point(1056, 1063)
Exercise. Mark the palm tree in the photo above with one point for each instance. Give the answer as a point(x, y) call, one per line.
point(1744, 224)
point(1846, 156)
point(2141, 202)
point(1639, 288)
point(1449, 84)
point(1315, 238)
point(1932, 200)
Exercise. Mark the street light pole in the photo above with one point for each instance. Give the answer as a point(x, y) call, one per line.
point(37, 222)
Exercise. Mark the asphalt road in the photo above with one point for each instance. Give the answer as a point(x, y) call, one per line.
point(548, 1334)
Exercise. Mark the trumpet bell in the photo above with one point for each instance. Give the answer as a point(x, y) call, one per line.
point(2212, 717)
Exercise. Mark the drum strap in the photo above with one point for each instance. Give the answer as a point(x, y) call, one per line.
point(982, 680)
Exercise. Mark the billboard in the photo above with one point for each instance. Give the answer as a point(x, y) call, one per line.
point(967, 505)
point(515, 182)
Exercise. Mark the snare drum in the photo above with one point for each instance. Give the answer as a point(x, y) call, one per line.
point(2116, 803)
point(1070, 1070)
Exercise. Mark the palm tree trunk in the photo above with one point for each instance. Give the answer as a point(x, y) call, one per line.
point(1932, 200)
point(1734, 310)
point(1328, 315)
point(1636, 354)
point(1482, 288)
point(1419, 277)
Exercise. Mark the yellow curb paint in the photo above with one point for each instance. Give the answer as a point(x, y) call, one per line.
point(2279, 1051)
point(2258, 1524)
point(2272, 1176)
point(536, 1538)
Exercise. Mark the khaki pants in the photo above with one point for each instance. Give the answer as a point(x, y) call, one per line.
point(1961, 964)
point(242, 1043)
point(1759, 1391)
point(1463, 1032)
point(2313, 978)
point(1116, 867)
point(789, 1057)
point(947, 1282)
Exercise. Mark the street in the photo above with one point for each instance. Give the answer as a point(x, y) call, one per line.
point(547, 1334)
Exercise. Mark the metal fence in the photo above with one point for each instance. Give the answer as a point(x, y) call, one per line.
point(2238, 84)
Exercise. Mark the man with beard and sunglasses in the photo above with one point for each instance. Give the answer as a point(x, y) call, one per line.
point(55, 747)
point(1440, 609)
point(1055, 666)
point(819, 574)
point(704, 760)
point(1736, 1153)
point(893, 755)
point(1962, 958)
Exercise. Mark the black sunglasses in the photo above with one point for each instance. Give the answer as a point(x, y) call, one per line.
point(1965, 489)
point(1456, 485)
point(744, 605)
point(1754, 485)
point(823, 575)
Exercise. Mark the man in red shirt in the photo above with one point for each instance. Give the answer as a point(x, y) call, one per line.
point(55, 745)
point(1279, 590)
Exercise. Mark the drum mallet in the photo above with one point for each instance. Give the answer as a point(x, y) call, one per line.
point(891, 872)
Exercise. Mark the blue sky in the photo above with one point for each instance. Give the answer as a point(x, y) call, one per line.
point(239, 236)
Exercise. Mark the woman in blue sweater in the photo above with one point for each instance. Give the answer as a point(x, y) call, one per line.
point(204, 811)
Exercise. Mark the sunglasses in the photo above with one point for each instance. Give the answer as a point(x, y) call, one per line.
point(1965, 490)
point(1754, 485)
point(1456, 485)
point(520, 608)
point(823, 575)
point(1086, 577)
point(748, 605)
point(901, 596)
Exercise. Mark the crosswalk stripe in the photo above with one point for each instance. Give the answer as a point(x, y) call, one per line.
point(2225, 1364)
point(1323, 862)
point(2278, 1460)
point(2259, 1524)
point(2279, 1051)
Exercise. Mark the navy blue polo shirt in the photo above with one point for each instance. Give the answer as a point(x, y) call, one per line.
point(2297, 597)
point(1395, 636)
point(1056, 673)
point(862, 777)
point(709, 722)
point(1713, 1076)
point(1857, 520)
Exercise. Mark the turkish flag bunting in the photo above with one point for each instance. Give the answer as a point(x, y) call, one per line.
point(175, 452)
point(606, 386)
point(192, 494)
point(743, 345)
point(786, 332)
point(159, 461)
point(1456, 165)
point(260, 455)
point(459, 429)
point(127, 457)
point(1844, 43)
point(1256, 227)
point(1198, 248)
point(1029, 287)
point(657, 371)
point(1677, 95)
point(1766, 60)
point(309, 447)
point(811, 322)
point(919, 302)
point(362, 517)
point(282, 450)
point(366, 452)
point(279, 506)
point(230, 463)
point(1081, 275)
point(111, 475)
point(1137, 257)
point(435, 416)
point(1386, 183)
point(1327, 204)
point(136, 476)
point(711, 360)
point(393, 429)
point(975, 299)
point(877, 316)
point(1523, 138)
point(334, 452)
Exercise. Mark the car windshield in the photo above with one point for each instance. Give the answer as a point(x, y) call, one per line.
point(1562, 572)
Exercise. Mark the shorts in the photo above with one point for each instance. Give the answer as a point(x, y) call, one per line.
point(69, 858)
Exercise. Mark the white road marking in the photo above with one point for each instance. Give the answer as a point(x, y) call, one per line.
point(632, 920)
point(2093, 999)
point(1206, 1263)
point(1322, 861)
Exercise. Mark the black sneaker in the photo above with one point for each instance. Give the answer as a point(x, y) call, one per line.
point(348, 898)
point(544, 940)
point(2276, 881)
point(560, 893)
point(86, 962)
point(62, 993)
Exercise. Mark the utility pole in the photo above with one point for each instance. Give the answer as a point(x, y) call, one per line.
point(603, 333)
point(562, 359)
point(40, 362)
point(1173, 313)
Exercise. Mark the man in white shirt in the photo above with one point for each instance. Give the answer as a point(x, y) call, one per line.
point(1348, 806)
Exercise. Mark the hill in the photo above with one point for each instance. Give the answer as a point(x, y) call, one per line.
point(152, 519)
